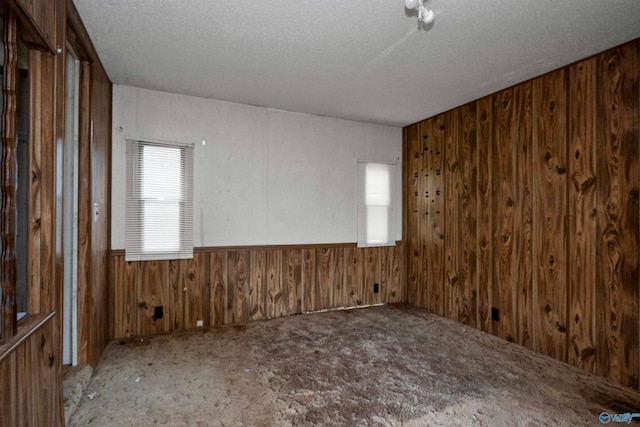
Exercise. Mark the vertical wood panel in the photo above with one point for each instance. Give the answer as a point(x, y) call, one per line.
point(274, 283)
point(238, 287)
point(325, 276)
point(372, 273)
point(426, 187)
point(550, 180)
point(451, 215)
point(258, 286)
point(437, 193)
point(197, 297)
point(468, 200)
point(31, 377)
point(219, 284)
point(386, 272)
point(8, 391)
point(152, 292)
point(582, 215)
point(485, 191)
point(292, 272)
point(413, 211)
point(338, 279)
point(309, 279)
point(354, 276)
point(101, 194)
point(180, 284)
point(505, 205)
point(617, 221)
point(398, 288)
point(125, 303)
point(524, 220)
point(35, 162)
point(548, 216)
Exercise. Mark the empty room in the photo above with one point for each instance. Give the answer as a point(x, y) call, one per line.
point(284, 213)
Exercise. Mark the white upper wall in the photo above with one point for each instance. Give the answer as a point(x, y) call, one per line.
point(264, 177)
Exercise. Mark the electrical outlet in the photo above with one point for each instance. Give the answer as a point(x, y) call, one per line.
point(199, 323)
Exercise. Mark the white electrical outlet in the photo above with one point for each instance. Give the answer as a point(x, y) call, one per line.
point(199, 323)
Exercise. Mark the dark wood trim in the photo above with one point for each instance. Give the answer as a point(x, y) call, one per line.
point(30, 31)
point(199, 249)
point(8, 180)
point(27, 327)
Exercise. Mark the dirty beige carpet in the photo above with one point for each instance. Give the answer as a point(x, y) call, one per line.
point(381, 366)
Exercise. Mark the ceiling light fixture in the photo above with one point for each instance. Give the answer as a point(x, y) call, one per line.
point(425, 15)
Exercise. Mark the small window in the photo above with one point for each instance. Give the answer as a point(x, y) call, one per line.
point(159, 205)
point(374, 204)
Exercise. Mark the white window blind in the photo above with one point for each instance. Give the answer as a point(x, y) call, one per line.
point(374, 203)
point(159, 202)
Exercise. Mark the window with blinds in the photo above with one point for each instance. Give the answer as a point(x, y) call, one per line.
point(374, 204)
point(159, 201)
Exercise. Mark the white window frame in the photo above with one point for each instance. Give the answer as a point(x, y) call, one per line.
point(135, 247)
point(375, 203)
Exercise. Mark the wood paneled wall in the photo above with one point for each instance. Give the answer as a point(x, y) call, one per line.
point(526, 201)
point(30, 375)
point(236, 285)
point(31, 362)
point(94, 191)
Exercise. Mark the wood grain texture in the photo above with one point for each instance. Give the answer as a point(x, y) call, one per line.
point(309, 280)
point(219, 282)
point(505, 207)
point(292, 272)
point(125, 278)
point(30, 375)
point(544, 195)
point(453, 293)
point(180, 284)
point(337, 285)
point(101, 91)
point(35, 204)
point(325, 276)
point(354, 276)
point(258, 286)
point(524, 218)
point(468, 211)
point(236, 286)
point(274, 283)
point(39, 29)
point(617, 206)
point(238, 310)
point(152, 292)
point(8, 279)
point(423, 233)
point(582, 215)
point(413, 209)
point(485, 225)
point(436, 228)
point(85, 217)
point(550, 186)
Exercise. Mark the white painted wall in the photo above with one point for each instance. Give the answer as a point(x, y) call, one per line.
point(264, 177)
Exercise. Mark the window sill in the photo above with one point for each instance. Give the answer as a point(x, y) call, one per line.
point(27, 326)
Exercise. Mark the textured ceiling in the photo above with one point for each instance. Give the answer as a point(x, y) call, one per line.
point(360, 60)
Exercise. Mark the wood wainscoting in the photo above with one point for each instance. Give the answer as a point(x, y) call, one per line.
point(31, 374)
point(521, 214)
point(235, 285)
